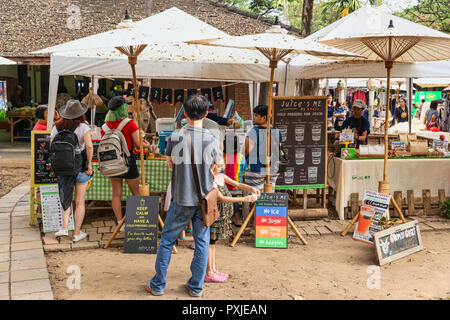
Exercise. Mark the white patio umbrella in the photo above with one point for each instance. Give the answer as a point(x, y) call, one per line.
point(380, 36)
point(4, 61)
point(275, 44)
point(172, 25)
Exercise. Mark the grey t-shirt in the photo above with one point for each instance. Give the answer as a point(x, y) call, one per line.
point(206, 152)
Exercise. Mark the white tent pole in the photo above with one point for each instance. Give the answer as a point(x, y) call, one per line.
point(409, 96)
point(251, 97)
point(52, 92)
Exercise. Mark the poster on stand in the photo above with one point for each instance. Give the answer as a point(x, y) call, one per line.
point(374, 207)
point(52, 209)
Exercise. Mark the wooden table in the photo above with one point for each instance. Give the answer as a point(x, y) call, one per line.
point(13, 120)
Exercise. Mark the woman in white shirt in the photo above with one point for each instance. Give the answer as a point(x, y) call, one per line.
point(73, 118)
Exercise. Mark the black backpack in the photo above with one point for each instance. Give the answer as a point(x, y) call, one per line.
point(65, 154)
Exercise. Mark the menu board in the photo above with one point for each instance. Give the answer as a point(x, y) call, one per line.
point(41, 171)
point(141, 224)
point(302, 122)
point(397, 242)
point(52, 209)
point(271, 220)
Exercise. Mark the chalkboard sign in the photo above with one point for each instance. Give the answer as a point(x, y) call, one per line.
point(271, 220)
point(95, 144)
point(302, 122)
point(141, 224)
point(397, 242)
point(41, 170)
point(144, 92)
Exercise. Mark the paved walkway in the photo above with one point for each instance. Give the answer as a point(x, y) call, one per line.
point(23, 268)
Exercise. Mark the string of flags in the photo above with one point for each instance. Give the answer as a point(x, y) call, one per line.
point(171, 96)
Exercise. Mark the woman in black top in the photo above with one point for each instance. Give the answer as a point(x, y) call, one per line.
point(401, 113)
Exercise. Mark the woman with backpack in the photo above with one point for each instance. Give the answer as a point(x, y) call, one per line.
point(71, 153)
point(118, 113)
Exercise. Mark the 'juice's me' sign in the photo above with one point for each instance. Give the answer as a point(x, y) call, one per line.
point(271, 220)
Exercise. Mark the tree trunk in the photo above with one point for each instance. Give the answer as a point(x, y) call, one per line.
point(148, 7)
point(307, 17)
point(308, 87)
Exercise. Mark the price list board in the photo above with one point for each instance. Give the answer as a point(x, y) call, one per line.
point(302, 122)
point(271, 220)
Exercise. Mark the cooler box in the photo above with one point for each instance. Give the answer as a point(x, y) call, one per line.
point(165, 124)
point(163, 141)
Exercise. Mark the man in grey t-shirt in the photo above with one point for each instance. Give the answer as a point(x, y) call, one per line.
point(185, 205)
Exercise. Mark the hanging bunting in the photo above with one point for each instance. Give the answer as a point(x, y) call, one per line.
point(118, 87)
point(130, 90)
point(217, 93)
point(178, 95)
point(167, 95)
point(191, 91)
point(207, 93)
point(155, 95)
point(143, 92)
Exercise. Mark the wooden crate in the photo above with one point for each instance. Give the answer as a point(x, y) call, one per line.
point(411, 204)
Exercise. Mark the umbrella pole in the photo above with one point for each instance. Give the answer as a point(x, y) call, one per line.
point(268, 187)
point(143, 188)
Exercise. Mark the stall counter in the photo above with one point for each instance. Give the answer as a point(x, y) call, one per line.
point(356, 176)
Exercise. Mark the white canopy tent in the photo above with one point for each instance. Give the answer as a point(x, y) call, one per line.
point(4, 61)
point(167, 57)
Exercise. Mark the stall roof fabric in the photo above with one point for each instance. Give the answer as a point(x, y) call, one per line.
point(31, 25)
point(165, 57)
point(4, 61)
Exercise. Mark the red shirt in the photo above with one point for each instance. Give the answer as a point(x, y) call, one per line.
point(40, 127)
point(130, 128)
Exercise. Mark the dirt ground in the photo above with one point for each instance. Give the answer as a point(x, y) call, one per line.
point(11, 177)
point(329, 267)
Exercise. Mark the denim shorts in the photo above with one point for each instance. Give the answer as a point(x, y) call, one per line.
point(82, 178)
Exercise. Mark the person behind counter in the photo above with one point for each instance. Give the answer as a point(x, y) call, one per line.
point(401, 112)
point(357, 122)
point(41, 114)
point(18, 101)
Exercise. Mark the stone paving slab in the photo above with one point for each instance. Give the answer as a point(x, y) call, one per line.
point(26, 275)
point(4, 277)
point(4, 257)
point(4, 266)
point(31, 286)
point(48, 295)
point(27, 254)
point(26, 245)
point(38, 263)
point(25, 238)
point(4, 289)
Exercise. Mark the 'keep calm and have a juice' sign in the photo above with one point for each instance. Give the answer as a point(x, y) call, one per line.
point(271, 220)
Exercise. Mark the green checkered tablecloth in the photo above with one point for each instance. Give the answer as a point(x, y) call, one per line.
point(156, 172)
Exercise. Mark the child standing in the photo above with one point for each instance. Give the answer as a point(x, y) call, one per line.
point(221, 229)
point(235, 166)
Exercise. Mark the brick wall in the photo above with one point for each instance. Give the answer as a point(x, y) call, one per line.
point(239, 93)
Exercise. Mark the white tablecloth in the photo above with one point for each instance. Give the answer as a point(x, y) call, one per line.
point(356, 176)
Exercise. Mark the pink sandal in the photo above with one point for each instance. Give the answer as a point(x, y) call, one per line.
point(215, 278)
point(220, 274)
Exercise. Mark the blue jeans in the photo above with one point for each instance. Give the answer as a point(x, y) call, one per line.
point(177, 219)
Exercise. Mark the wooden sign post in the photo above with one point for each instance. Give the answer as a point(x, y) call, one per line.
point(397, 242)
